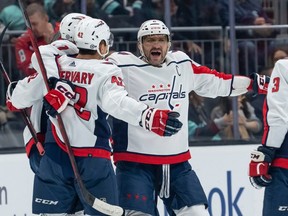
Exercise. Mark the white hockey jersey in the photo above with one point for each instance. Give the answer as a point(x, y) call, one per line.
point(99, 90)
point(276, 113)
point(37, 117)
point(166, 87)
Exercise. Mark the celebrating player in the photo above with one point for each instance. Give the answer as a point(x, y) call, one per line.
point(37, 114)
point(84, 90)
point(148, 165)
point(269, 163)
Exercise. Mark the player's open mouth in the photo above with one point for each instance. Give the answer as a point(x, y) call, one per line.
point(155, 53)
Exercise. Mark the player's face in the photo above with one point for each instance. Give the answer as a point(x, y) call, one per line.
point(155, 48)
point(38, 24)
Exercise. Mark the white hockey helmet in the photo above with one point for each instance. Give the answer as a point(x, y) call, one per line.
point(90, 32)
point(152, 27)
point(68, 25)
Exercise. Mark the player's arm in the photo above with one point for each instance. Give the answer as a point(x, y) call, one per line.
point(115, 101)
point(49, 54)
point(211, 83)
point(25, 92)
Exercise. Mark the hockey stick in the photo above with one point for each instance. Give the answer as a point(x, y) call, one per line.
point(94, 202)
point(24, 114)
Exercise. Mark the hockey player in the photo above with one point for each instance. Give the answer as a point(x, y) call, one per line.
point(64, 46)
point(147, 165)
point(269, 163)
point(84, 89)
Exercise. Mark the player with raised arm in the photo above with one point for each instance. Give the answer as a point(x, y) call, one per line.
point(147, 165)
point(269, 163)
point(84, 90)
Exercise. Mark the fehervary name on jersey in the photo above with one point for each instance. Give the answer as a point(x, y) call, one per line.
point(77, 76)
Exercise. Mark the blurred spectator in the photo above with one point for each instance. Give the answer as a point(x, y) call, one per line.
point(56, 9)
point(181, 16)
point(198, 13)
point(143, 10)
point(249, 12)
point(43, 31)
point(249, 124)
point(12, 14)
point(200, 125)
point(279, 53)
point(114, 7)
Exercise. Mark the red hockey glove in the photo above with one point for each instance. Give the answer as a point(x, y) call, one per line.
point(259, 84)
point(259, 166)
point(9, 104)
point(56, 100)
point(161, 122)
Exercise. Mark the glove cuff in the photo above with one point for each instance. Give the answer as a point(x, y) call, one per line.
point(263, 154)
point(147, 117)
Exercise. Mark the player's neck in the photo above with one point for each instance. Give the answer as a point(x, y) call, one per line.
point(89, 56)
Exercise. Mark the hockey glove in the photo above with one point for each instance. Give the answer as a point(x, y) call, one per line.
point(57, 99)
point(259, 166)
point(9, 104)
point(161, 122)
point(259, 84)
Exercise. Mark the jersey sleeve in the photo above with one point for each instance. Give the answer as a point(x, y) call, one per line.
point(27, 91)
point(240, 85)
point(211, 83)
point(277, 115)
point(115, 101)
point(50, 52)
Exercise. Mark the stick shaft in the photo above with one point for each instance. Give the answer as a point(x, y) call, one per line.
point(24, 114)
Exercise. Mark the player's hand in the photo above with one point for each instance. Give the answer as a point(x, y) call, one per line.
point(259, 84)
point(57, 99)
point(161, 122)
point(9, 104)
point(259, 166)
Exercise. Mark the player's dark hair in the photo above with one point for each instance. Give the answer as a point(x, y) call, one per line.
point(87, 51)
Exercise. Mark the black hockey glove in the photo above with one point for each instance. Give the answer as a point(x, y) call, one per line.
point(161, 122)
point(259, 84)
point(57, 99)
point(259, 166)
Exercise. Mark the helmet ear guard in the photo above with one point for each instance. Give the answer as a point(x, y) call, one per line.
point(90, 32)
point(68, 25)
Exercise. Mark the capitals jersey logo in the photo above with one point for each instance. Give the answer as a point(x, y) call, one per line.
point(164, 92)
